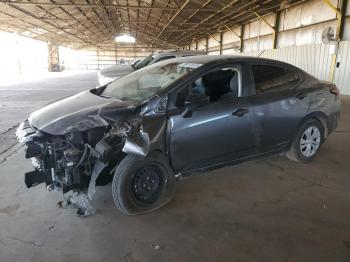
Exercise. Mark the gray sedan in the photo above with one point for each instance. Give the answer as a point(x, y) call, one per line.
point(173, 119)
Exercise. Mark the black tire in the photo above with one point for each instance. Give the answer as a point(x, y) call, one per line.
point(131, 176)
point(295, 152)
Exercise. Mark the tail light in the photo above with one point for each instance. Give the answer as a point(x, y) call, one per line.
point(335, 90)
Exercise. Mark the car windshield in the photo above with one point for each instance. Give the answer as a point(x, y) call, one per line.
point(144, 61)
point(142, 84)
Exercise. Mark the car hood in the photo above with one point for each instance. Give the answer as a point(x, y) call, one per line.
point(116, 70)
point(80, 112)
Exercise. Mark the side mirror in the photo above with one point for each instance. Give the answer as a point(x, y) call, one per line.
point(193, 102)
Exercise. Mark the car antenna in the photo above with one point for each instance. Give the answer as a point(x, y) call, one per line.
point(261, 53)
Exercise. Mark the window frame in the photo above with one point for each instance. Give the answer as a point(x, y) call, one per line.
point(272, 64)
point(239, 66)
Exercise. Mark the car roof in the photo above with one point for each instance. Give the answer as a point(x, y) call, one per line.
point(178, 53)
point(205, 59)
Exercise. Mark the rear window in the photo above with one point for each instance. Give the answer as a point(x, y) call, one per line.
point(272, 78)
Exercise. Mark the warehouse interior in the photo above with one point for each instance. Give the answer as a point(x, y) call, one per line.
point(270, 209)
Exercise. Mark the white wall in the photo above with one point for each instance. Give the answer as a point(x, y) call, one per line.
point(92, 59)
point(21, 55)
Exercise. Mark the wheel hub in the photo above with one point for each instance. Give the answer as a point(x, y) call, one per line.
point(310, 141)
point(147, 183)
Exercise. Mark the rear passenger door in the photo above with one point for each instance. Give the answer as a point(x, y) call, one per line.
point(278, 106)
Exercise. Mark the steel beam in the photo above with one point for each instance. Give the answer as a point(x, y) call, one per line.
point(214, 38)
point(172, 19)
point(264, 20)
point(116, 6)
point(233, 31)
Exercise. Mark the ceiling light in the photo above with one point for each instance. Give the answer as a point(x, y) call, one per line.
point(125, 39)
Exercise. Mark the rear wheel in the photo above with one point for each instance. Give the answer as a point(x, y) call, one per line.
point(141, 185)
point(307, 142)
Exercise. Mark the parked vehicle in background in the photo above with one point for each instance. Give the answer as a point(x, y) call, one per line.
point(111, 73)
point(172, 119)
point(135, 62)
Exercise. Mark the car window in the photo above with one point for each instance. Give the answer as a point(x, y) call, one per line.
point(218, 85)
point(272, 78)
point(142, 84)
point(164, 58)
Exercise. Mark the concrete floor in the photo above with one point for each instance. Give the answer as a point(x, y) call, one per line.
point(266, 210)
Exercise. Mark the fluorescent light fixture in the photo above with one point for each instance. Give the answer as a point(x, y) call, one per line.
point(125, 39)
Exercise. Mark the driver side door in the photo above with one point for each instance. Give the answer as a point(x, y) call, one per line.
point(218, 132)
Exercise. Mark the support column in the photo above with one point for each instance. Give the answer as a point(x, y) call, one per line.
point(340, 14)
point(241, 44)
point(98, 59)
point(53, 59)
point(221, 40)
point(206, 44)
point(240, 36)
point(276, 29)
point(116, 52)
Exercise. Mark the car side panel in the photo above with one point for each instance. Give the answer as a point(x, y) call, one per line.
point(276, 116)
point(323, 102)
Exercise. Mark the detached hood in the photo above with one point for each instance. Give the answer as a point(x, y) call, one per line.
point(80, 112)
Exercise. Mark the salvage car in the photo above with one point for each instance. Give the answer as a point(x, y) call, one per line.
point(173, 119)
point(111, 73)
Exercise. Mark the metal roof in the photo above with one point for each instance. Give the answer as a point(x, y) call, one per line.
point(156, 23)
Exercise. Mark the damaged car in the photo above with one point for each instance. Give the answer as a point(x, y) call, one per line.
point(175, 118)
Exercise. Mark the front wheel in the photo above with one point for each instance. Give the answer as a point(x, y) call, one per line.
point(307, 143)
point(141, 185)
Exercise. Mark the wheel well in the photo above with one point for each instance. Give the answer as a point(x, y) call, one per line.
point(321, 118)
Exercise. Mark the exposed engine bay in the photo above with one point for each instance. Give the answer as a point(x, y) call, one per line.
point(75, 162)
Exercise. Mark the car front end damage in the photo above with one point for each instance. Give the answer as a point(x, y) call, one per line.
point(73, 162)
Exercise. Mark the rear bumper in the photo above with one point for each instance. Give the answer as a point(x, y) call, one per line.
point(333, 122)
point(334, 117)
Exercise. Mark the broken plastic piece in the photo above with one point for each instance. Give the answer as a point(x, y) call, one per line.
point(98, 167)
point(80, 201)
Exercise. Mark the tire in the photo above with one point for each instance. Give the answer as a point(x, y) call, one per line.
point(130, 194)
point(306, 152)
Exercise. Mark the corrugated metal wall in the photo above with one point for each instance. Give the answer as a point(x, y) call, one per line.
point(342, 73)
point(97, 58)
point(316, 60)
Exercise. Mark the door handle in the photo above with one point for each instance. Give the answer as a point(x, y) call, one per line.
point(240, 112)
point(300, 95)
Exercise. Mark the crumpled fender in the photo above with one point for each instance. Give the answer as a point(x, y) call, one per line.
point(150, 137)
